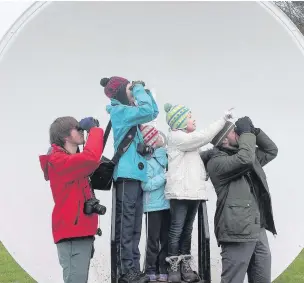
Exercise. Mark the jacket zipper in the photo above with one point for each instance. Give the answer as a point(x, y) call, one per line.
point(77, 216)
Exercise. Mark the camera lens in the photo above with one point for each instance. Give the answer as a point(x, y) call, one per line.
point(100, 209)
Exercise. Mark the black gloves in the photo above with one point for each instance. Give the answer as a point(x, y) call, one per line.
point(245, 125)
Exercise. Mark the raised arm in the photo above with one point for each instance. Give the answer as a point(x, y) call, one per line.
point(146, 110)
point(191, 141)
point(226, 167)
point(76, 166)
point(266, 149)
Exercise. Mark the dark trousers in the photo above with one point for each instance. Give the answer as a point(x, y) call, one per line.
point(183, 213)
point(128, 224)
point(157, 223)
point(253, 258)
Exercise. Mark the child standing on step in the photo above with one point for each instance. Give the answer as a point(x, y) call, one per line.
point(186, 185)
point(131, 105)
point(156, 207)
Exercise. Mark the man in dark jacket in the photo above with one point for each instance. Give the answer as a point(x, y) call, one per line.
point(243, 209)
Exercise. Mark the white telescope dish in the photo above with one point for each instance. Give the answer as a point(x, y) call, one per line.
point(210, 56)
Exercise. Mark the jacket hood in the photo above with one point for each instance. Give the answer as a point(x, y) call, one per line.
point(114, 102)
point(208, 154)
point(45, 160)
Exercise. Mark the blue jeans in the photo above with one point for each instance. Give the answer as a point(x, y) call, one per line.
point(183, 213)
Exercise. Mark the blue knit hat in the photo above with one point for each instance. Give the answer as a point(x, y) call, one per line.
point(177, 116)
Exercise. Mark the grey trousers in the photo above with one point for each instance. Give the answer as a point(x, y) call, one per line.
point(253, 258)
point(74, 257)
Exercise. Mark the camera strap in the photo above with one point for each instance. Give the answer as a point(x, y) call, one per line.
point(125, 143)
point(107, 132)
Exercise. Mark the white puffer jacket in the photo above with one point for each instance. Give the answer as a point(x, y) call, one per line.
point(186, 174)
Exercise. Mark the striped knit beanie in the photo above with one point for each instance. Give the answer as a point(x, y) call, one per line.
point(218, 139)
point(150, 134)
point(177, 116)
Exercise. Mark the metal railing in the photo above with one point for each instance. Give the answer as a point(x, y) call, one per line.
point(204, 268)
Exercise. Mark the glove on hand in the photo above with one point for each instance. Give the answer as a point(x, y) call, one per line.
point(88, 123)
point(243, 125)
point(254, 130)
point(135, 83)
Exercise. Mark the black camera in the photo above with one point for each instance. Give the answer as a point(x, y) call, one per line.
point(144, 149)
point(92, 206)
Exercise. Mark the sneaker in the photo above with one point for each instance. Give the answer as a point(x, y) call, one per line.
point(163, 278)
point(152, 277)
point(133, 276)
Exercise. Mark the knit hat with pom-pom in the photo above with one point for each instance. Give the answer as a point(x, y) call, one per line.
point(177, 116)
point(115, 87)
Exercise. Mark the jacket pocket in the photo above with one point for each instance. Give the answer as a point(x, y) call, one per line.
point(77, 215)
point(238, 218)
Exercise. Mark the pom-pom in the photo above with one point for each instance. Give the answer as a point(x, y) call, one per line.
point(167, 107)
point(104, 81)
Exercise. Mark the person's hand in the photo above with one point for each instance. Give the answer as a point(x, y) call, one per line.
point(254, 130)
point(135, 83)
point(88, 123)
point(228, 114)
point(243, 125)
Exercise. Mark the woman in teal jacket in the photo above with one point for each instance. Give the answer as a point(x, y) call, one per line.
point(131, 105)
point(156, 207)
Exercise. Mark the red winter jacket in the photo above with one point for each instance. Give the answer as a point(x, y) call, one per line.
point(68, 176)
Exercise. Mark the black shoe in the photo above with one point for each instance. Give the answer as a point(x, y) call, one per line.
point(188, 275)
point(133, 276)
point(174, 274)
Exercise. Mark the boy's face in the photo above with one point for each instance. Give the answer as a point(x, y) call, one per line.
point(191, 124)
point(76, 136)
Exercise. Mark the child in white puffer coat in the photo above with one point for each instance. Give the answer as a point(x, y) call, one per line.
point(186, 185)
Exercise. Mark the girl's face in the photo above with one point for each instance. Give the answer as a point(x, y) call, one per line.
point(191, 125)
point(129, 94)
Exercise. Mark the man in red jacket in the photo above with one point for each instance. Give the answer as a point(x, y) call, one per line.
point(68, 172)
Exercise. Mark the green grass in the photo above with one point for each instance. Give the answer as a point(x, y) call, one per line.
point(295, 272)
point(11, 272)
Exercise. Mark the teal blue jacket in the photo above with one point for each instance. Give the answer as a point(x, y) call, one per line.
point(123, 118)
point(154, 187)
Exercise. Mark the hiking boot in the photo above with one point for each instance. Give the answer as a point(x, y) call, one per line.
point(133, 276)
point(188, 275)
point(174, 275)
